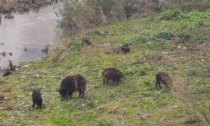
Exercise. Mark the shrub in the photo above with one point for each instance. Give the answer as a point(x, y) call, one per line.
point(78, 15)
point(172, 14)
point(164, 35)
point(186, 5)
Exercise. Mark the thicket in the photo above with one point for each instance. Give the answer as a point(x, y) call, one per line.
point(185, 5)
point(77, 15)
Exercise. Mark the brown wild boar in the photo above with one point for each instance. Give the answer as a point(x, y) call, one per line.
point(163, 77)
point(71, 84)
point(37, 98)
point(111, 75)
point(111, 69)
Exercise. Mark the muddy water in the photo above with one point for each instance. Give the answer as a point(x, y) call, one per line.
point(26, 35)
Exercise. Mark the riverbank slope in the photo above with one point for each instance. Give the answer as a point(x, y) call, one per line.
point(174, 41)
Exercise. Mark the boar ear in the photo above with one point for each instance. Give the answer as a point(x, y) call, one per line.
point(58, 90)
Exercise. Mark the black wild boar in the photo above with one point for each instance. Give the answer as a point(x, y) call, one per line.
point(71, 84)
point(37, 98)
point(162, 77)
point(111, 75)
point(125, 50)
point(111, 69)
point(11, 66)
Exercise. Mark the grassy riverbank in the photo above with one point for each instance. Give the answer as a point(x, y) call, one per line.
point(135, 101)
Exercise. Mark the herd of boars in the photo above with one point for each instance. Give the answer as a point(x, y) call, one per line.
point(77, 82)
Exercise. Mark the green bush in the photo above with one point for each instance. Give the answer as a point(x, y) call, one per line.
point(173, 14)
point(76, 15)
point(186, 5)
point(164, 35)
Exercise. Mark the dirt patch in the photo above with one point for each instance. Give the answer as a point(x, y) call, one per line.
point(179, 85)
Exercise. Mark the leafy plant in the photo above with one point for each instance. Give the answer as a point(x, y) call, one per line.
point(173, 14)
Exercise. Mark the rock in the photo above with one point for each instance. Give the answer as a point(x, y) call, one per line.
point(57, 77)
point(179, 47)
point(19, 106)
point(36, 76)
point(47, 99)
point(7, 98)
point(144, 116)
point(20, 96)
point(173, 107)
point(164, 53)
point(25, 66)
point(106, 44)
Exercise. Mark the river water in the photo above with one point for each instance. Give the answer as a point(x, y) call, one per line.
point(24, 37)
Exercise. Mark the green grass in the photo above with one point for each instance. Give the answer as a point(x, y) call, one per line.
point(135, 100)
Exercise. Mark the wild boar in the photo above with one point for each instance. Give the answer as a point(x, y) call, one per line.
point(71, 84)
point(111, 75)
point(37, 98)
point(163, 77)
point(110, 69)
point(125, 50)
